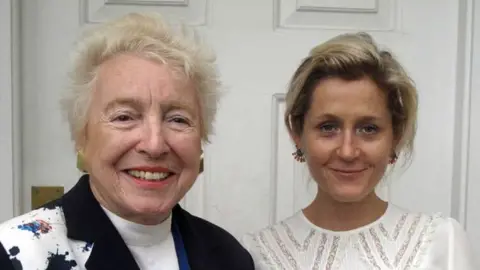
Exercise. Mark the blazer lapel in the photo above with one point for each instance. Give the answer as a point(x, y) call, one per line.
point(110, 252)
point(86, 221)
point(196, 245)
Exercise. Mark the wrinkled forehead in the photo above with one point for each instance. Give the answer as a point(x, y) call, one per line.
point(130, 79)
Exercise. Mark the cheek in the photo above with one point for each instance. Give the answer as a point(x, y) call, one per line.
point(379, 153)
point(317, 151)
point(107, 145)
point(187, 147)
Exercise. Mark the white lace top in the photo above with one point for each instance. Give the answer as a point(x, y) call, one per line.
point(398, 240)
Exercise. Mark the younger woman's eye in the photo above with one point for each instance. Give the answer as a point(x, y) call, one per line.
point(328, 128)
point(369, 129)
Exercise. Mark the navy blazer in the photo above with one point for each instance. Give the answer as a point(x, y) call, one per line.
point(74, 232)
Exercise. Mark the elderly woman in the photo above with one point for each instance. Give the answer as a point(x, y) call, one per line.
point(142, 100)
point(351, 111)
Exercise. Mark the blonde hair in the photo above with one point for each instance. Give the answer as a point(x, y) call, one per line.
point(146, 35)
point(353, 57)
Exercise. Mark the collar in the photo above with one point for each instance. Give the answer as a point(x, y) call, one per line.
point(87, 221)
point(79, 203)
point(135, 234)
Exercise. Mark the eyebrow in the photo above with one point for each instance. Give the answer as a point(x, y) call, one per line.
point(177, 105)
point(130, 102)
point(367, 118)
point(370, 119)
point(137, 104)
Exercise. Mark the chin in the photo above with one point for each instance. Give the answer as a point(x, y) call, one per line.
point(150, 206)
point(349, 197)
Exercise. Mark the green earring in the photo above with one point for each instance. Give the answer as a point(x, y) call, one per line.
point(81, 162)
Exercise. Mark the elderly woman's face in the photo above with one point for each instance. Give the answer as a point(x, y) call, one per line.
point(143, 139)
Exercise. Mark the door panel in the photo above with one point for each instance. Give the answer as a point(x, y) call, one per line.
point(250, 177)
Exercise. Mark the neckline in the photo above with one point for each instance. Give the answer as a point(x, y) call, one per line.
point(140, 235)
point(376, 222)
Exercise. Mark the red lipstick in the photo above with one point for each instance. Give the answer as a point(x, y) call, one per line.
point(150, 169)
point(149, 184)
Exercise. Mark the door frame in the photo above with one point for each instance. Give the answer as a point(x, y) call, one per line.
point(472, 169)
point(10, 136)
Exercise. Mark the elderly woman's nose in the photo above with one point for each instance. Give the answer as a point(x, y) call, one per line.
point(153, 140)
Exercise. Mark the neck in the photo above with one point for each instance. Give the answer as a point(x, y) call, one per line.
point(329, 214)
point(139, 218)
point(135, 234)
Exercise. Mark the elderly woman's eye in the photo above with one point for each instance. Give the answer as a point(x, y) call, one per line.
point(179, 120)
point(122, 118)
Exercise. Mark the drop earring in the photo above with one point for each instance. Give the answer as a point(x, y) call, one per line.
point(201, 163)
point(393, 159)
point(298, 155)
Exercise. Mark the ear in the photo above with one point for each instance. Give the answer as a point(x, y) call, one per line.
point(81, 139)
point(80, 144)
point(297, 139)
point(395, 143)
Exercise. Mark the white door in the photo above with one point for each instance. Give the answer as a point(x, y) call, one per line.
point(250, 178)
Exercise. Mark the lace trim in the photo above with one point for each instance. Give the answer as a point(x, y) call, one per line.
point(320, 250)
point(384, 231)
point(407, 241)
point(333, 253)
point(270, 251)
point(428, 237)
point(283, 248)
point(399, 226)
point(373, 253)
point(306, 243)
point(380, 248)
point(418, 247)
point(368, 251)
point(418, 244)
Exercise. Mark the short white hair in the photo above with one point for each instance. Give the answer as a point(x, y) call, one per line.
point(146, 35)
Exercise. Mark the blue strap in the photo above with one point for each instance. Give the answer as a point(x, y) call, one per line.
point(179, 247)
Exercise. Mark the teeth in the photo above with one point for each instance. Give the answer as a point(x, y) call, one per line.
point(152, 176)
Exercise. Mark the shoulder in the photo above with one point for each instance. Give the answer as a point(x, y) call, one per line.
point(32, 235)
point(36, 223)
point(216, 237)
point(294, 223)
point(442, 240)
point(447, 227)
point(450, 243)
point(450, 246)
point(263, 244)
point(208, 229)
point(427, 226)
point(409, 223)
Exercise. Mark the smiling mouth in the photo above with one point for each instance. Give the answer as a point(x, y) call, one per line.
point(349, 172)
point(149, 176)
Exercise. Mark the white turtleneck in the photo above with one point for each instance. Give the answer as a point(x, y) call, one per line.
point(152, 246)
